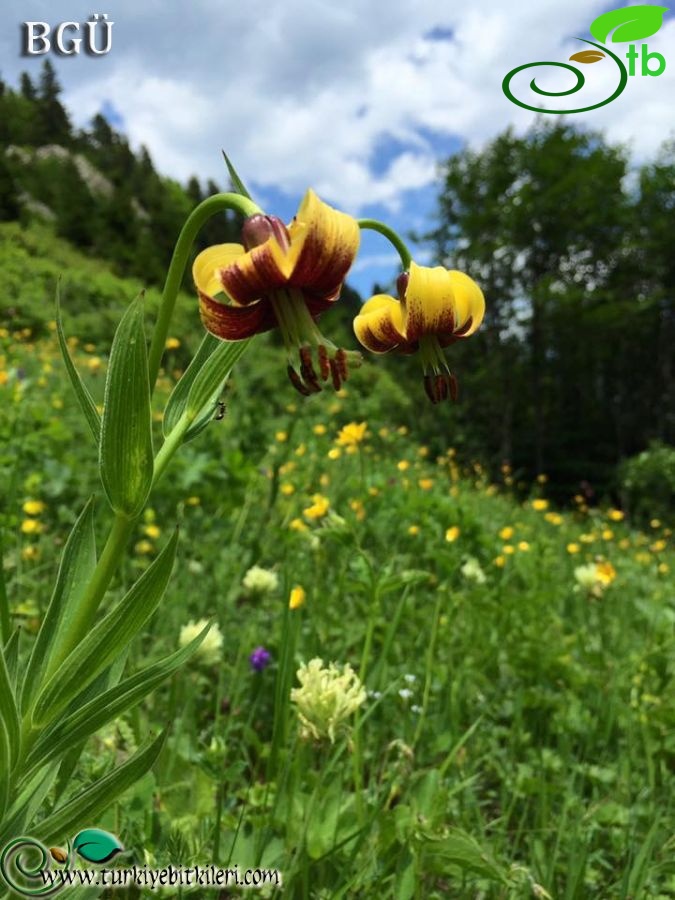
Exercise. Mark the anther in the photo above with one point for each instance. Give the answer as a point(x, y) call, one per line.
point(297, 383)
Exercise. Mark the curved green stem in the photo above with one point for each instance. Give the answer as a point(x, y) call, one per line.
point(391, 236)
point(197, 218)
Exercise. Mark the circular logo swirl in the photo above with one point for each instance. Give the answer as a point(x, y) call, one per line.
point(22, 863)
point(580, 81)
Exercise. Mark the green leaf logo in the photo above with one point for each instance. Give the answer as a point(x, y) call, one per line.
point(632, 23)
point(96, 846)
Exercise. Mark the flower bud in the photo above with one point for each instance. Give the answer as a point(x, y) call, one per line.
point(402, 285)
point(259, 228)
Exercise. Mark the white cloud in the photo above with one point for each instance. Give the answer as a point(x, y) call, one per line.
point(309, 92)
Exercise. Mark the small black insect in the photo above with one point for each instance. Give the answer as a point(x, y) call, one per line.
point(220, 412)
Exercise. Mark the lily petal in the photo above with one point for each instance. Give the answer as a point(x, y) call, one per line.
point(469, 301)
point(235, 323)
point(429, 302)
point(256, 272)
point(379, 325)
point(205, 267)
point(324, 243)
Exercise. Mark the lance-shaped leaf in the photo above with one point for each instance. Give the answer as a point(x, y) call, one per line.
point(109, 705)
point(90, 803)
point(77, 566)
point(24, 808)
point(587, 56)
point(179, 396)
point(5, 769)
point(630, 23)
point(12, 655)
point(9, 714)
point(210, 380)
point(237, 183)
point(125, 458)
point(107, 639)
point(84, 398)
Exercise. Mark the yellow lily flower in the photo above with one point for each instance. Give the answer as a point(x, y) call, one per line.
point(282, 277)
point(436, 307)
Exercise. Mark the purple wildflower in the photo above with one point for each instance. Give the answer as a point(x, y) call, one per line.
point(260, 659)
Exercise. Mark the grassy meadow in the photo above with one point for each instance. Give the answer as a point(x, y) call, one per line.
point(518, 734)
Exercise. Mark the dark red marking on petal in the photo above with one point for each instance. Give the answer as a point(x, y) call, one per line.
point(235, 323)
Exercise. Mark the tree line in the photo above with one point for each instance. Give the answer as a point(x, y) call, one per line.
point(99, 194)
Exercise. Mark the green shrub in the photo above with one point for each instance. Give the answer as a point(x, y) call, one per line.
point(648, 482)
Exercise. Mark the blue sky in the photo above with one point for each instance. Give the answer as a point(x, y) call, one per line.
point(358, 100)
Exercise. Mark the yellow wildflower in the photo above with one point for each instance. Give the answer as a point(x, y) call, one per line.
point(616, 515)
point(297, 598)
point(414, 530)
point(319, 429)
point(193, 501)
point(319, 507)
point(31, 526)
point(31, 552)
point(426, 483)
point(143, 548)
point(287, 489)
point(152, 531)
point(352, 434)
point(172, 343)
point(334, 453)
point(500, 561)
point(655, 523)
point(34, 507)
point(573, 548)
point(297, 525)
point(403, 465)
point(658, 546)
point(508, 549)
point(607, 534)
point(554, 518)
point(452, 534)
point(523, 545)
point(506, 533)
point(539, 504)
point(281, 436)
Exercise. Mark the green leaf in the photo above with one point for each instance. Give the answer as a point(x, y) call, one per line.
point(460, 850)
point(84, 398)
point(5, 615)
point(12, 655)
point(26, 805)
point(210, 380)
point(96, 713)
point(5, 769)
point(179, 396)
point(77, 566)
point(107, 639)
point(9, 714)
point(96, 845)
point(126, 459)
point(91, 802)
point(632, 23)
point(237, 183)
